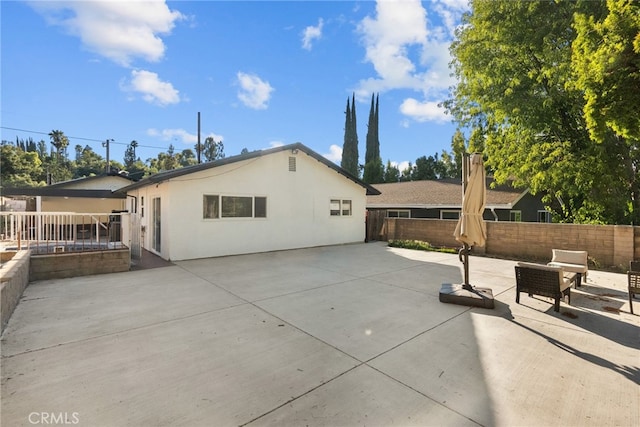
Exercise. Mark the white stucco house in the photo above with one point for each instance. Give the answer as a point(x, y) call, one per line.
point(282, 198)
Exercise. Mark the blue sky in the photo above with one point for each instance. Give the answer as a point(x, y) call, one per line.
point(261, 73)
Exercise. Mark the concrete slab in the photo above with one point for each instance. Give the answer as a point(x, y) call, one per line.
point(500, 367)
point(54, 312)
point(220, 368)
point(363, 397)
point(345, 335)
point(362, 317)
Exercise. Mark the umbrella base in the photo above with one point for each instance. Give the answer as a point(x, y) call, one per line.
point(459, 294)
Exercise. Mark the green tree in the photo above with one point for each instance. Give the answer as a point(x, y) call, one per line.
point(517, 93)
point(391, 173)
point(60, 142)
point(130, 154)
point(212, 149)
point(425, 168)
point(606, 62)
point(164, 161)
point(186, 157)
point(350, 146)
point(19, 168)
point(373, 168)
point(88, 162)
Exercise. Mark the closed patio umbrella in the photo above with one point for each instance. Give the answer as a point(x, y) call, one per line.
point(470, 231)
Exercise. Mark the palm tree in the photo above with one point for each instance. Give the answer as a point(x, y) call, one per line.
point(59, 141)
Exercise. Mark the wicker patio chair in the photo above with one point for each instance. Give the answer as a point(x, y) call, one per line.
point(634, 281)
point(543, 280)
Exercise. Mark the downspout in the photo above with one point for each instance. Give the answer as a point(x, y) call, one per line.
point(495, 215)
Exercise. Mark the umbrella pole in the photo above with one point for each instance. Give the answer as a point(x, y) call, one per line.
point(466, 167)
point(464, 259)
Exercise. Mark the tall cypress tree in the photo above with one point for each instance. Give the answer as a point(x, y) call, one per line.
point(373, 168)
point(350, 146)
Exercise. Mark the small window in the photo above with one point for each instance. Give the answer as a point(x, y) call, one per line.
point(210, 207)
point(335, 207)
point(544, 216)
point(260, 207)
point(142, 206)
point(449, 214)
point(515, 216)
point(237, 207)
point(339, 207)
point(292, 164)
point(346, 208)
point(398, 214)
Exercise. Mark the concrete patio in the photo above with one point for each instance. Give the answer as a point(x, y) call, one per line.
point(337, 336)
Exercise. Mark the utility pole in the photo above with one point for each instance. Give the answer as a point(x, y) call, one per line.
point(199, 147)
point(106, 144)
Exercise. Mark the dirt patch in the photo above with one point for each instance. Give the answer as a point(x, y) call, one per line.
point(611, 309)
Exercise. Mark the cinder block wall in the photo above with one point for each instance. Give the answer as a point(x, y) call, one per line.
point(58, 266)
point(607, 245)
point(14, 278)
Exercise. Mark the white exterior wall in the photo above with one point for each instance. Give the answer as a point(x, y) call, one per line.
point(298, 208)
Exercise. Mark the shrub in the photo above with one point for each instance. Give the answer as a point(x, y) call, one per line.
point(420, 246)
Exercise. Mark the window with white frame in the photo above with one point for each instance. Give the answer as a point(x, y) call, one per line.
point(398, 213)
point(340, 207)
point(215, 206)
point(544, 216)
point(449, 214)
point(515, 216)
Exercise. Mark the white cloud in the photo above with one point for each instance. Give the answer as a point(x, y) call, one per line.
point(152, 89)
point(423, 111)
point(407, 51)
point(215, 136)
point(274, 144)
point(387, 37)
point(254, 92)
point(119, 30)
point(401, 165)
point(311, 33)
point(175, 135)
point(334, 154)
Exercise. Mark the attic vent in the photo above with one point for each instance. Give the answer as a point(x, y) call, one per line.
point(292, 164)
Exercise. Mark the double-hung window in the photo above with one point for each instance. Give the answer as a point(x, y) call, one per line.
point(340, 207)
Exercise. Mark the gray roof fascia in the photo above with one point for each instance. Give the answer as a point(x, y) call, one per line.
point(61, 192)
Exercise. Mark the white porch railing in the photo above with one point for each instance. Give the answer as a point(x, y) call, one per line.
point(58, 232)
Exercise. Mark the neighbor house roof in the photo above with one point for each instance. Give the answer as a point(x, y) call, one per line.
point(110, 181)
point(445, 193)
point(99, 186)
point(167, 175)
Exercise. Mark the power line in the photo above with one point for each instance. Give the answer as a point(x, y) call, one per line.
point(81, 138)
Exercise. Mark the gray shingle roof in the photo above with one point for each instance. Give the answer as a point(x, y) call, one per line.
point(438, 194)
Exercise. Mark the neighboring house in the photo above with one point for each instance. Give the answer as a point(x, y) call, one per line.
point(94, 194)
point(442, 199)
point(282, 198)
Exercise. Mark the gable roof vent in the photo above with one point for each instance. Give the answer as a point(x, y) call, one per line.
point(292, 164)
